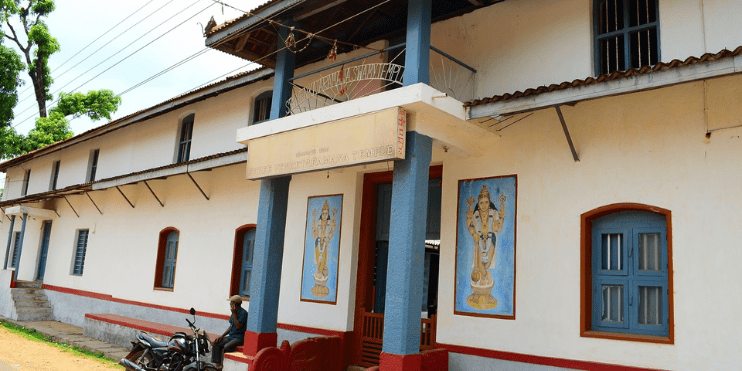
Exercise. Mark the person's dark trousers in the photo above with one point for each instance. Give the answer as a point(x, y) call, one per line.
point(224, 345)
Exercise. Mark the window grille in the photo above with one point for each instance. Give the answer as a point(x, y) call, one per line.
point(80, 249)
point(626, 34)
point(186, 134)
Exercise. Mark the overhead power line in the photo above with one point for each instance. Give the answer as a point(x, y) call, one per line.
point(98, 38)
point(127, 57)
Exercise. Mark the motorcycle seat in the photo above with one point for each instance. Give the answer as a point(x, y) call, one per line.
point(154, 342)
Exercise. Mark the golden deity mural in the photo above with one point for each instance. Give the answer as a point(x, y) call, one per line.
point(322, 235)
point(484, 221)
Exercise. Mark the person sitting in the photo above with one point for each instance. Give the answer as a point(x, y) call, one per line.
point(235, 334)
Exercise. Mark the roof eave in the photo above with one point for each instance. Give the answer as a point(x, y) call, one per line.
point(217, 37)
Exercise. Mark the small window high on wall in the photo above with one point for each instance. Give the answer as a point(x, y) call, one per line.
point(55, 176)
point(626, 34)
point(167, 254)
point(186, 134)
point(262, 107)
point(627, 273)
point(26, 180)
point(93, 165)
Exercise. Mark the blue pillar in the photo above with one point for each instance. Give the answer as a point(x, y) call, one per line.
point(406, 256)
point(284, 71)
point(20, 246)
point(10, 240)
point(267, 260)
point(417, 57)
point(274, 194)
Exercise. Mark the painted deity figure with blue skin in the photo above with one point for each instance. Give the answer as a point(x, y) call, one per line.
point(322, 235)
point(484, 221)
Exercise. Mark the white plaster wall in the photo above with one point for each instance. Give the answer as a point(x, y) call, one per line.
point(521, 44)
point(122, 245)
point(292, 310)
point(645, 148)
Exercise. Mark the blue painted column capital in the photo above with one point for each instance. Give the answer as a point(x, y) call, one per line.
point(404, 288)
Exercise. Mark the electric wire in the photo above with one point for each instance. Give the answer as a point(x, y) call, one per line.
point(97, 50)
point(125, 58)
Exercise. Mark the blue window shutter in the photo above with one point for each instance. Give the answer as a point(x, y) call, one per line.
point(80, 250)
point(433, 230)
point(630, 278)
point(171, 252)
point(186, 134)
point(248, 248)
point(16, 255)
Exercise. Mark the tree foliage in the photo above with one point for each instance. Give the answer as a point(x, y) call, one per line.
point(95, 105)
point(10, 68)
point(38, 44)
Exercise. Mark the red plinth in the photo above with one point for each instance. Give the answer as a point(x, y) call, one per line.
point(394, 362)
point(255, 341)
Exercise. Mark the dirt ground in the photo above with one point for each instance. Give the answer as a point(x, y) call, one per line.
point(19, 353)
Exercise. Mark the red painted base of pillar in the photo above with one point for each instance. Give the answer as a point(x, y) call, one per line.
point(394, 362)
point(254, 342)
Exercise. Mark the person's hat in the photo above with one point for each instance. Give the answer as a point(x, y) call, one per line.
point(236, 299)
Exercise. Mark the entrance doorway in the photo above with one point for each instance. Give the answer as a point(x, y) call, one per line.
point(44, 250)
point(372, 266)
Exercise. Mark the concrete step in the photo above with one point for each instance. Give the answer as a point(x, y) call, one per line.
point(28, 284)
point(23, 295)
point(32, 304)
point(33, 310)
point(34, 316)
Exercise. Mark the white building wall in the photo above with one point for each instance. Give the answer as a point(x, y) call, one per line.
point(647, 148)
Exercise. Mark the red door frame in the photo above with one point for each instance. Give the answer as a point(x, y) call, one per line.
point(366, 247)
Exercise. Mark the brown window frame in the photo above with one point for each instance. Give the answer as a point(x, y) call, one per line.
point(160, 264)
point(586, 248)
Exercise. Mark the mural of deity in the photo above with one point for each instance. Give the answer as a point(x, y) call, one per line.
point(484, 221)
point(322, 233)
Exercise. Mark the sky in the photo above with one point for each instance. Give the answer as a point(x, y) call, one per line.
point(77, 23)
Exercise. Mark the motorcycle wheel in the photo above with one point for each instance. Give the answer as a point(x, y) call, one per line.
point(139, 359)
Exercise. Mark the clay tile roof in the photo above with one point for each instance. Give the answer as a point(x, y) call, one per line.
point(244, 16)
point(675, 63)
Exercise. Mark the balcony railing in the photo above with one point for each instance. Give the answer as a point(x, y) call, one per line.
point(370, 74)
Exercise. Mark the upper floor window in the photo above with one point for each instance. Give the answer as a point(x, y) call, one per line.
point(81, 247)
point(167, 253)
point(186, 134)
point(626, 34)
point(262, 107)
point(93, 167)
point(55, 176)
point(629, 255)
point(26, 180)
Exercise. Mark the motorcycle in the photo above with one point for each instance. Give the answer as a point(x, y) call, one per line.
point(182, 352)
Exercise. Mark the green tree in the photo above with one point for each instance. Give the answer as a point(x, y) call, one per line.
point(10, 68)
point(36, 48)
point(95, 105)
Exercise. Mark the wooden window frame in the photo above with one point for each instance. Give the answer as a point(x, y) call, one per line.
point(55, 175)
point(15, 257)
point(626, 31)
point(266, 96)
point(77, 250)
point(93, 168)
point(186, 138)
point(26, 181)
point(239, 235)
point(160, 263)
point(586, 274)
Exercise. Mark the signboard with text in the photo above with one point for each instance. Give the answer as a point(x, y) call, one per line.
point(374, 137)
